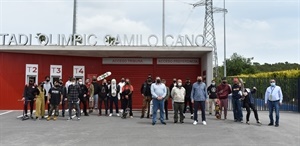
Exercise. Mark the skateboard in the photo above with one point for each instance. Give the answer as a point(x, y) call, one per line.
point(103, 76)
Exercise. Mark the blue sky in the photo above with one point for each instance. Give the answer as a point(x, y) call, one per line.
point(268, 30)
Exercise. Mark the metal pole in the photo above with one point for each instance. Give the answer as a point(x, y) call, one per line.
point(224, 40)
point(163, 24)
point(74, 21)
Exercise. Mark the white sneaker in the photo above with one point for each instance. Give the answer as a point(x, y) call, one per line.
point(110, 114)
point(118, 115)
point(204, 123)
point(78, 118)
point(131, 117)
point(195, 122)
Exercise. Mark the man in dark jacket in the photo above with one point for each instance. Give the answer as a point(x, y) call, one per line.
point(223, 90)
point(103, 97)
point(83, 96)
point(147, 97)
point(236, 101)
point(73, 98)
point(188, 89)
point(64, 99)
point(30, 92)
point(212, 93)
point(96, 92)
point(248, 103)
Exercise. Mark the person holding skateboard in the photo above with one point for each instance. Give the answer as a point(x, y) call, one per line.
point(248, 103)
point(114, 90)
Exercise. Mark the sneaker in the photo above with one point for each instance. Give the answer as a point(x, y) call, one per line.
point(181, 122)
point(235, 120)
point(241, 121)
point(276, 125)
point(78, 118)
point(110, 114)
point(131, 117)
point(69, 119)
point(54, 118)
point(248, 122)
point(142, 117)
point(258, 122)
point(203, 122)
point(164, 123)
point(270, 124)
point(48, 118)
point(183, 115)
point(118, 115)
point(195, 122)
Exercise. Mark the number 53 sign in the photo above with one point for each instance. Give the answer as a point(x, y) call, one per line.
point(78, 71)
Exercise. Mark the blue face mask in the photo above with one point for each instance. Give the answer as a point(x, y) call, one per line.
point(273, 84)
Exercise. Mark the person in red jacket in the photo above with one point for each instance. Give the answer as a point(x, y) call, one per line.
point(223, 90)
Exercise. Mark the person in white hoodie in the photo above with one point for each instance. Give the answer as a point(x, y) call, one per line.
point(47, 86)
point(178, 94)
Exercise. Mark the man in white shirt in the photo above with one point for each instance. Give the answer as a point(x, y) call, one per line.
point(273, 98)
point(47, 86)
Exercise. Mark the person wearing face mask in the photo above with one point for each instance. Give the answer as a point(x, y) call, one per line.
point(127, 91)
point(146, 94)
point(178, 94)
point(114, 90)
point(188, 89)
point(236, 101)
point(73, 97)
point(83, 96)
point(90, 94)
point(198, 97)
point(121, 84)
point(96, 92)
point(248, 103)
point(29, 95)
point(273, 98)
point(174, 84)
point(54, 99)
point(166, 98)
point(103, 97)
point(158, 92)
point(39, 103)
point(223, 90)
point(212, 94)
point(64, 99)
point(47, 86)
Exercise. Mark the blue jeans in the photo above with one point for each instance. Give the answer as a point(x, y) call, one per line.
point(96, 101)
point(158, 104)
point(237, 109)
point(274, 105)
point(202, 106)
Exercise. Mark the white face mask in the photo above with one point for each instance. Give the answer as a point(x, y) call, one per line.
point(80, 83)
point(179, 84)
point(213, 83)
point(273, 84)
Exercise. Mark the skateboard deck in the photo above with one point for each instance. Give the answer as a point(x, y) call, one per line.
point(103, 76)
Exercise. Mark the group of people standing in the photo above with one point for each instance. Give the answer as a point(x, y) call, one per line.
point(92, 95)
point(74, 92)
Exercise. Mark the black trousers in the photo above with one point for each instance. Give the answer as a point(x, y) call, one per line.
point(127, 103)
point(105, 101)
point(252, 106)
point(83, 101)
point(186, 101)
point(166, 108)
point(114, 100)
point(26, 106)
point(63, 106)
point(48, 105)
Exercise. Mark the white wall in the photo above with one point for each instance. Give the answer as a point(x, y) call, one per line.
point(207, 65)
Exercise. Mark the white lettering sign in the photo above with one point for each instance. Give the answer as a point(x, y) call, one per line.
point(178, 61)
point(56, 70)
point(127, 61)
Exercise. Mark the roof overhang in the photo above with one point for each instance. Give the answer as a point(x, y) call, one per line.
point(111, 51)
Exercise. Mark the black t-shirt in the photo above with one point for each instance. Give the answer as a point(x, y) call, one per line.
point(55, 95)
point(212, 90)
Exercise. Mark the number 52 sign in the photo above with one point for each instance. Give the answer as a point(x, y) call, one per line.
point(78, 71)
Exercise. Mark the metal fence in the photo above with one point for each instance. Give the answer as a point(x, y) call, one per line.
point(290, 90)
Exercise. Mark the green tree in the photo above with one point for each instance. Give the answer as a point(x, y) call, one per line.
point(238, 64)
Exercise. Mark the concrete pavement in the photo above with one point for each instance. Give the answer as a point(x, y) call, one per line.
point(110, 131)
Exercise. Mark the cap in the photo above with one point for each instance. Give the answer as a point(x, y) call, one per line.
point(224, 78)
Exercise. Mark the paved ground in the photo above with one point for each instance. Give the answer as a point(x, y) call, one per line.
point(94, 130)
